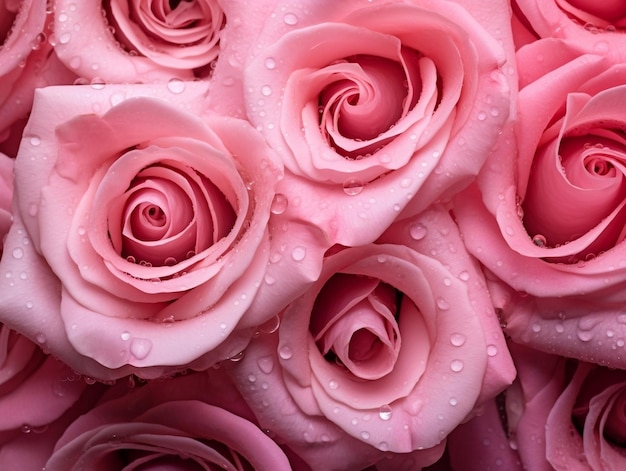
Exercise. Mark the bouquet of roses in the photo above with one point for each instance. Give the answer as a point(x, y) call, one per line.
point(313, 235)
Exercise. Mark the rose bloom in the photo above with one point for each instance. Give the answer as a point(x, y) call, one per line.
point(393, 347)
point(26, 62)
point(6, 194)
point(547, 215)
point(197, 421)
point(567, 415)
point(130, 41)
point(370, 105)
point(140, 231)
point(593, 27)
point(35, 388)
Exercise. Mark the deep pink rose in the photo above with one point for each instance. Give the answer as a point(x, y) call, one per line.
point(567, 415)
point(384, 110)
point(140, 232)
point(548, 213)
point(197, 421)
point(138, 40)
point(591, 26)
point(392, 347)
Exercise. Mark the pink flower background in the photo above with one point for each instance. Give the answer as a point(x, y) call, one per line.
point(356, 235)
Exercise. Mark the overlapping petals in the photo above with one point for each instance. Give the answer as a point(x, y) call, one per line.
point(371, 345)
point(380, 115)
point(161, 230)
point(138, 40)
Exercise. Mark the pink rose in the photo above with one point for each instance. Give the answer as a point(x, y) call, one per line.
point(6, 195)
point(392, 347)
point(593, 27)
point(549, 221)
point(35, 388)
point(26, 62)
point(140, 236)
point(130, 41)
point(568, 415)
point(196, 421)
point(385, 104)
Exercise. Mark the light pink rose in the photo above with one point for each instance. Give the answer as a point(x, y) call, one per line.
point(35, 388)
point(548, 213)
point(393, 347)
point(567, 415)
point(140, 232)
point(197, 421)
point(26, 62)
point(591, 26)
point(137, 40)
point(382, 112)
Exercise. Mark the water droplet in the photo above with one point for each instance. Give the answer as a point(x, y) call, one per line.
point(26, 428)
point(585, 335)
point(117, 98)
point(29, 304)
point(417, 231)
point(365, 435)
point(457, 339)
point(89, 380)
point(97, 83)
point(453, 401)
point(333, 384)
point(290, 19)
point(481, 116)
point(269, 279)
point(456, 365)
point(18, 253)
point(266, 364)
point(383, 446)
point(492, 350)
point(464, 276)
point(125, 335)
point(285, 352)
point(40, 337)
point(237, 356)
point(559, 328)
point(176, 86)
point(298, 253)
point(251, 378)
point(536, 328)
point(447, 281)
point(35, 141)
point(539, 240)
point(266, 90)
point(65, 38)
point(384, 412)
point(33, 209)
point(352, 187)
point(270, 63)
point(140, 348)
point(279, 204)
point(442, 304)
point(81, 231)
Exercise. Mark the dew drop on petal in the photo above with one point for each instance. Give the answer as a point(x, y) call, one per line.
point(270, 63)
point(125, 335)
point(279, 204)
point(266, 364)
point(453, 401)
point(176, 86)
point(140, 348)
point(457, 339)
point(385, 412)
point(464, 276)
point(456, 365)
point(352, 187)
point(40, 337)
point(298, 253)
point(290, 19)
point(18, 253)
point(417, 231)
point(266, 90)
point(443, 304)
point(365, 435)
point(492, 350)
point(333, 384)
point(285, 352)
